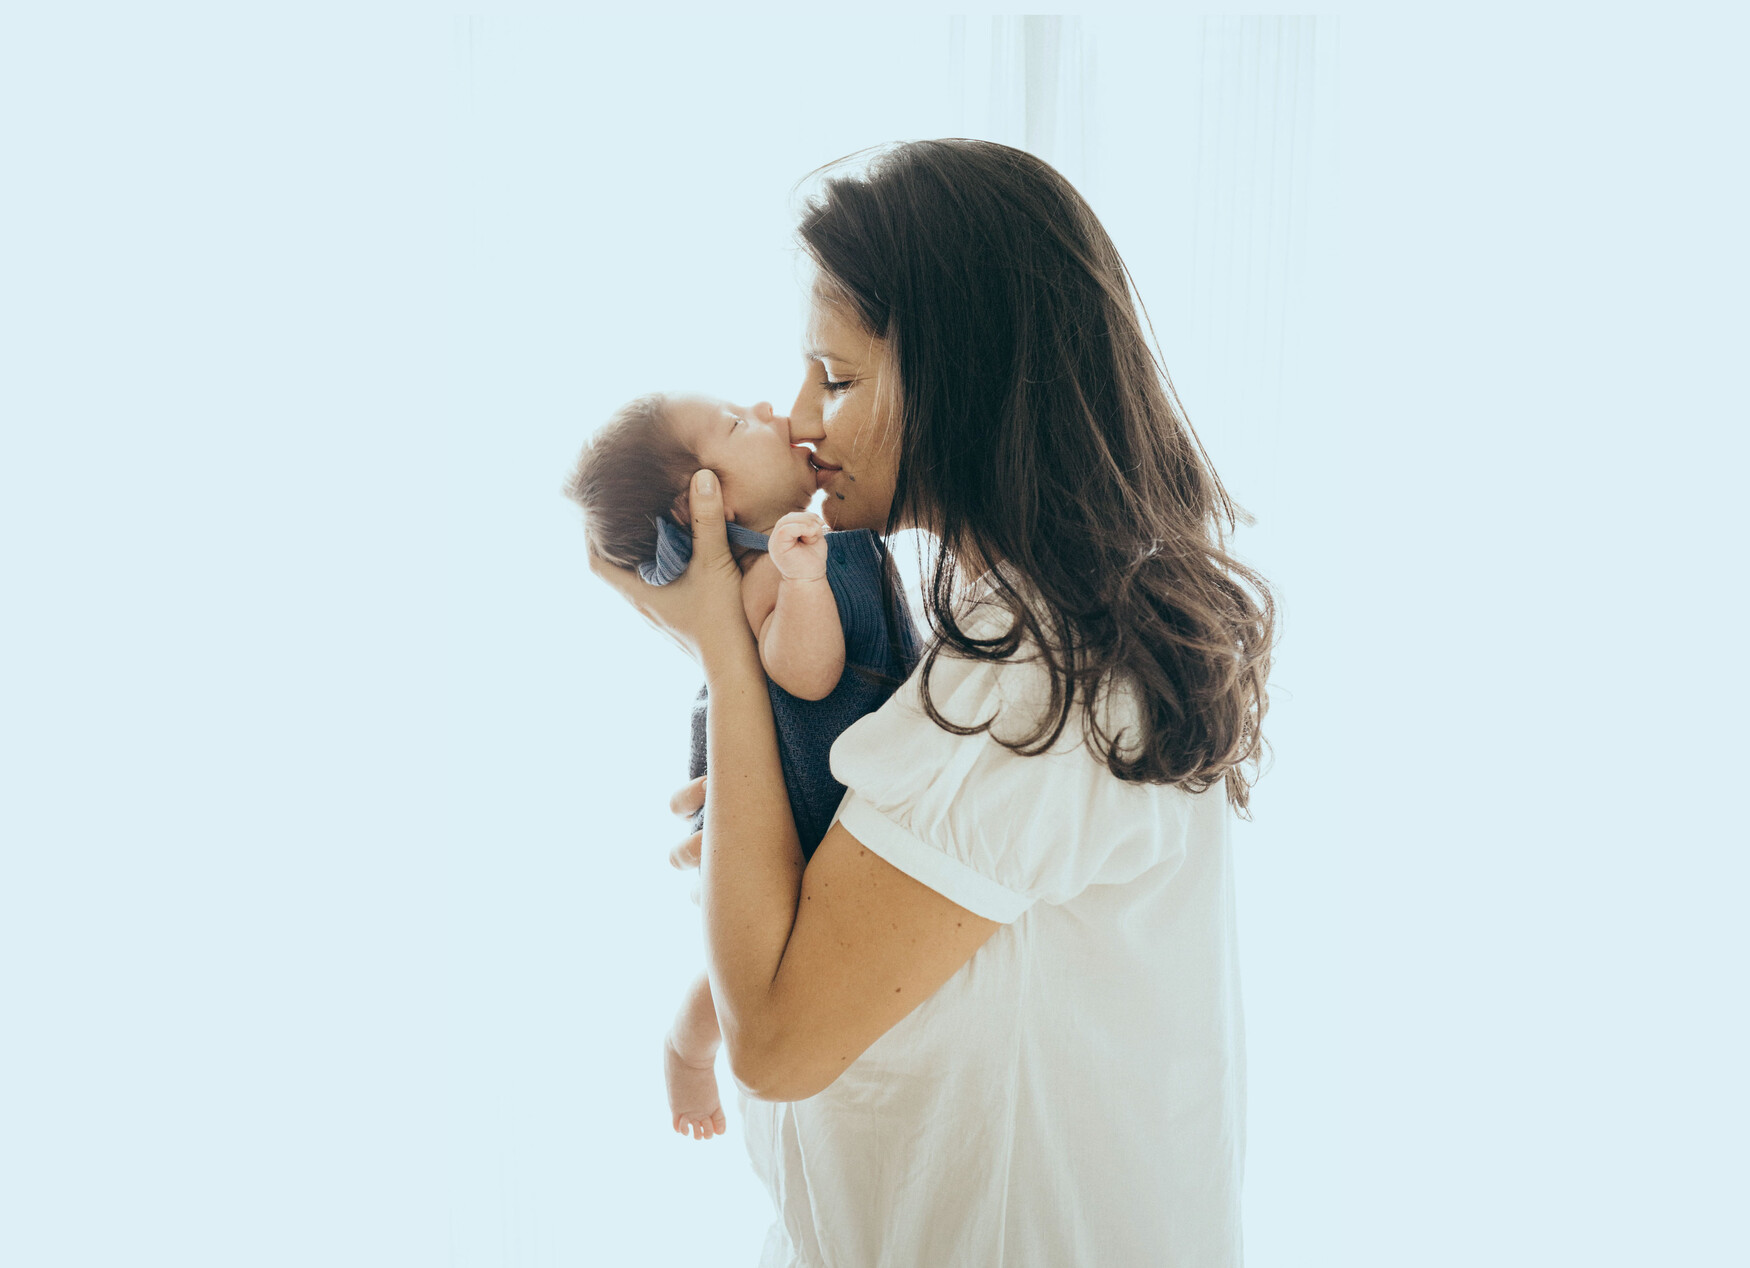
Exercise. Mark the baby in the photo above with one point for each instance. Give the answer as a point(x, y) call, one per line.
point(833, 637)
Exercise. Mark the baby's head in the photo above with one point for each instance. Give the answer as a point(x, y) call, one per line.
point(640, 463)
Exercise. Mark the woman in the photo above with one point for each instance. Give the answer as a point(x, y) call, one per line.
point(996, 1020)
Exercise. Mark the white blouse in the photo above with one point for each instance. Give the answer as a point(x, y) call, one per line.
point(1075, 1093)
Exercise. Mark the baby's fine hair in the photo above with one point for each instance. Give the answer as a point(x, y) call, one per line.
point(633, 469)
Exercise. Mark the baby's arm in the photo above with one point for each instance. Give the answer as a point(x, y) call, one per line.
point(792, 611)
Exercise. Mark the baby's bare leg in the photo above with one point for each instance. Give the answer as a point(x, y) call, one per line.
point(689, 1057)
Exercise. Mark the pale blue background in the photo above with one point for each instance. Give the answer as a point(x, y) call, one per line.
point(334, 923)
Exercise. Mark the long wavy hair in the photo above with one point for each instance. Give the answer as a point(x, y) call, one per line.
point(1038, 431)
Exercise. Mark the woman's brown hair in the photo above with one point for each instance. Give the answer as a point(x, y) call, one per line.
point(1039, 430)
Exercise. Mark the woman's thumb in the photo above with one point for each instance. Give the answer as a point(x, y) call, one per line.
point(710, 537)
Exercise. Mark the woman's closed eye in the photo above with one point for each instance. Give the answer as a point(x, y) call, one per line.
point(835, 385)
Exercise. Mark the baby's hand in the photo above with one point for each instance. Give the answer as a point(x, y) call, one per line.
point(798, 546)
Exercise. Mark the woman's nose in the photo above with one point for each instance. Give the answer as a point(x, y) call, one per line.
point(804, 419)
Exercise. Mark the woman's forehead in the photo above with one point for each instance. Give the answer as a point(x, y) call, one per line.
point(832, 333)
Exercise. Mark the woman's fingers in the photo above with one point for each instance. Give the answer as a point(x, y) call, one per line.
point(608, 572)
point(703, 605)
point(688, 799)
point(686, 854)
point(687, 802)
point(626, 580)
point(710, 537)
point(633, 588)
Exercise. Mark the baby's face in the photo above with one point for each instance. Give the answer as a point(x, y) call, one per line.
point(764, 476)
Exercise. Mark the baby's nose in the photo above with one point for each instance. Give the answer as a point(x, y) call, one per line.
point(763, 411)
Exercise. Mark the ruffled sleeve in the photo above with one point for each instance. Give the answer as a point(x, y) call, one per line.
point(991, 830)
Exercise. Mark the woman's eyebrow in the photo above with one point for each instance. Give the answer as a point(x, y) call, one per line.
point(820, 354)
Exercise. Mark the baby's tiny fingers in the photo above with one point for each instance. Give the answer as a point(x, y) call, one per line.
point(801, 519)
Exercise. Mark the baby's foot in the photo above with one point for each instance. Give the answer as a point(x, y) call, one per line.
point(692, 1095)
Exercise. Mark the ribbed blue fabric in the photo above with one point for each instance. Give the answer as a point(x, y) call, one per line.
point(674, 549)
point(807, 728)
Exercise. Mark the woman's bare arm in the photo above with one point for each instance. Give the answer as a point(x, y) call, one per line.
point(806, 972)
point(808, 969)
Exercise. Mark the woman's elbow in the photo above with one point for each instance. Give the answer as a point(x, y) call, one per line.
point(767, 1075)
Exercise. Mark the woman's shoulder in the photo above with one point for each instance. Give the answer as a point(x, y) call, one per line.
point(958, 716)
point(1014, 693)
point(964, 786)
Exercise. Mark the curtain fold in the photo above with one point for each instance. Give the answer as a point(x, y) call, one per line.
point(1027, 82)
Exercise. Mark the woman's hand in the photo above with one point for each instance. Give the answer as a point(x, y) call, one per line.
point(686, 803)
point(701, 610)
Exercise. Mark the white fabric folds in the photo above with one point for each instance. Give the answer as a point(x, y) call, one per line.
point(1075, 1093)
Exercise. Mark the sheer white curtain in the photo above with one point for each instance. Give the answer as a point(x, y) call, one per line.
point(1027, 82)
point(1263, 110)
point(1206, 144)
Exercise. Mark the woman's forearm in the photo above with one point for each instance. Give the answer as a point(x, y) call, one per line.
point(750, 871)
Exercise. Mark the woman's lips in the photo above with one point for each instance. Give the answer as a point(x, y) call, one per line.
point(823, 472)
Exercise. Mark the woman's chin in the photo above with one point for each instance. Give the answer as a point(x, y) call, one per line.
point(845, 514)
point(832, 511)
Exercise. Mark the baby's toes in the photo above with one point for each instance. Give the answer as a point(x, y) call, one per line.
point(719, 1122)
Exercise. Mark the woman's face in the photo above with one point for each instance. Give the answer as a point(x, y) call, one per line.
point(848, 409)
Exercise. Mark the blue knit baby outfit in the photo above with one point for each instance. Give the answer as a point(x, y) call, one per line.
point(807, 728)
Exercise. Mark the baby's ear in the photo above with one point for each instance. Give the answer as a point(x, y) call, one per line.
point(682, 509)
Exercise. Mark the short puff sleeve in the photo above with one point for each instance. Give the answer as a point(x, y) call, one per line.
point(989, 829)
